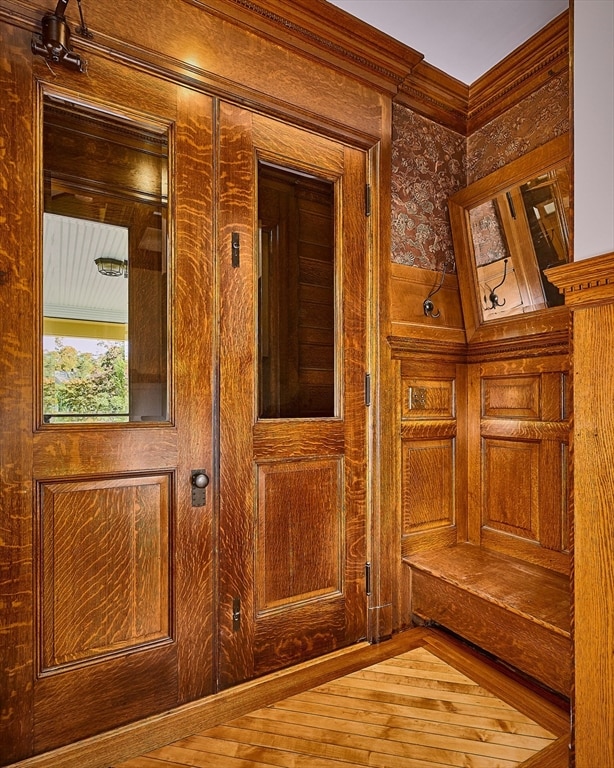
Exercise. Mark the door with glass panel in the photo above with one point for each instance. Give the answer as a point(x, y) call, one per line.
point(122, 446)
point(292, 242)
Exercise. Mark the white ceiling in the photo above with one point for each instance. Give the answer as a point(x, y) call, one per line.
point(464, 38)
point(72, 285)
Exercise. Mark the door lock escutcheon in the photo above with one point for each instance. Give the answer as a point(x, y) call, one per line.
point(200, 481)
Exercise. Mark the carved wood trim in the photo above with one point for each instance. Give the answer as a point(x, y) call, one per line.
point(316, 29)
point(543, 57)
point(590, 281)
point(311, 25)
point(465, 109)
point(434, 94)
point(338, 40)
point(434, 349)
point(554, 342)
point(157, 56)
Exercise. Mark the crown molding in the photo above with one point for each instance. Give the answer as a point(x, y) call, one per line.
point(434, 94)
point(314, 28)
point(537, 61)
point(466, 108)
point(327, 33)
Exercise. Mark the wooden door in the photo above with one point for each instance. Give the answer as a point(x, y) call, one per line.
point(114, 616)
point(292, 536)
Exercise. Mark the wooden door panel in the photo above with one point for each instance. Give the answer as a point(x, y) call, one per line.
point(62, 451)
point(273, 439)
point(277, 141)
point(104, 567)
point(293, 491)
point(237, 364)
point(132, 685)
point(115, 615)
point(299, 533)
point(279, 642)
point(298, 564)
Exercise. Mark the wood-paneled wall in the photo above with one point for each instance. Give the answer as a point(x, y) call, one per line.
point(482, 439)
point(314, 67)
point(518, 459)
point(483, 419)
point(331, 105)
point(589, 293)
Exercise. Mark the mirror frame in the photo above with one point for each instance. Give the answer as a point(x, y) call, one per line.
point(545, 158)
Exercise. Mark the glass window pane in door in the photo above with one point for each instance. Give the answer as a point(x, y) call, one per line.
point(104, 267)
point(296, 318)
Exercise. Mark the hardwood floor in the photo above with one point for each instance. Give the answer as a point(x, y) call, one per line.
point(432, 704)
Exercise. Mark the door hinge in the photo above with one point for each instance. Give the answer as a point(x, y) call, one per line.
point(367, 200)
point(236, 614)
point(368, 578)
point(236, 249)
point(367, 389)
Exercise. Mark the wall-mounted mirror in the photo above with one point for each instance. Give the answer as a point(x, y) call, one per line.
point(507, 229)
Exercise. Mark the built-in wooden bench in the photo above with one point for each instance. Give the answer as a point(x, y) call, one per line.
point(517, 611)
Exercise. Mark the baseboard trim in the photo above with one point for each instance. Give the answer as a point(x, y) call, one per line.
point(143, 736)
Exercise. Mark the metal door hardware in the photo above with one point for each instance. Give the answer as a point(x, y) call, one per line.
point(200, 481)
point(236, 249)
point(236, 614)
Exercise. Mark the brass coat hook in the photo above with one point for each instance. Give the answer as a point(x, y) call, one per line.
point(427, 305)
point(492, 297)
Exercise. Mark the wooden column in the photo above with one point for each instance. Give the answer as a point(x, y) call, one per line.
point(589, 292)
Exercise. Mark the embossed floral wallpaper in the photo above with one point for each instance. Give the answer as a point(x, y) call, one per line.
point(430, 163)
point(542, 116)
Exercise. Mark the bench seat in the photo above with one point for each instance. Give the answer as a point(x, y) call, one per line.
point(515, 610)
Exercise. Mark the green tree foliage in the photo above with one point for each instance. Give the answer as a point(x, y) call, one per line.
point(85, 383)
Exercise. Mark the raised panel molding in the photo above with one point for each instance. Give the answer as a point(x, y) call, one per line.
point(506, 397)
point(428, 399)
point(431, 444)
point(297, 513)
point(427, 485)
point(104, 581)
point(511, 487)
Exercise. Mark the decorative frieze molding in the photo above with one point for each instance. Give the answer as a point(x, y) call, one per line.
point(434, 94)
point(586, 282)
point(326, 32)
point(330, 36)
point(467, 108)
point(540, 59)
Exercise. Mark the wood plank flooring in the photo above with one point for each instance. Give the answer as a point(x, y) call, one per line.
point(433, 706)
